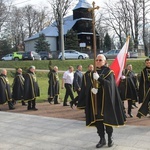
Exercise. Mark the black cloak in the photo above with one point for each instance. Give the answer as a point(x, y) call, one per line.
point(128, 87)
point(144, 83)
point(144, 92)
point(53, 89)
point(5, 91)
point(87, 82)
point(18, 87)
point(108, 102)
point(31, 88)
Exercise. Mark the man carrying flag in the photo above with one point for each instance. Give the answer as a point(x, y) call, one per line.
point(108, 111)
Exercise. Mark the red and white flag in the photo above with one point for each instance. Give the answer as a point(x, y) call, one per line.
point(120, 61)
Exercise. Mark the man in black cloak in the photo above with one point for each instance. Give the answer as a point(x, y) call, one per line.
point(144, 90)
point(54, 88)
point(31, 88)
point(5, 91)
point(86, 83)
point(104, 108)
point(128, 88)
point(18, 87)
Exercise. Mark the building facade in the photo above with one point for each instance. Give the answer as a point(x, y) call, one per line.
point(80, 21)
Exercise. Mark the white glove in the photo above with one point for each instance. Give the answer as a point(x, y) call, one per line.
point(95, 76)
point(123, 77)
point(94, 90)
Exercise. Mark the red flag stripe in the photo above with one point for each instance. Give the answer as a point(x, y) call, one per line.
point(119, 62)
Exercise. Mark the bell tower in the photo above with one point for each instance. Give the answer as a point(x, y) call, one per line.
point(83, 24)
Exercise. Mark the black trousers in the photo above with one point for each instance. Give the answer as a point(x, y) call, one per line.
point(56, 99)
point(10, 104)
point(101, 129)
point(129, 106)
point(69, 92)
point(31, 104)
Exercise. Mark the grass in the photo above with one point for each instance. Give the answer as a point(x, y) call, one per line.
point(63, 65)
point(42, 78)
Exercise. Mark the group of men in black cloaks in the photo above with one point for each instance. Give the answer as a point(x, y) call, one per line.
point(25, 88)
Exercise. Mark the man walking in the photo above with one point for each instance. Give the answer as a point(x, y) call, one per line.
point(144, 90)
point(67, 82)
point(18, 87)
point(5, 91)
point(77, 82)
point(53, 89)
point(31, 88)
point(104, 107)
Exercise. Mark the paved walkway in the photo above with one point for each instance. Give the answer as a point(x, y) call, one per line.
point(31, 132)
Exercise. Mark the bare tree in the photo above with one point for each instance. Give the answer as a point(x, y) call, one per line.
point(145, 5)
point(123, 18)
point(44, 19)
point(101, 29)
point(4, 11)
point(59, 6)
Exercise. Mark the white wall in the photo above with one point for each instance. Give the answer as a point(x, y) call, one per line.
point(29, 45)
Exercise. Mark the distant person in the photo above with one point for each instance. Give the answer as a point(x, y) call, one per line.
point(31, 88)
point(144, 90)
point(67, 82)
point(5, 91)
point(86, 83)
point(53, 89)
point(77, 82)
point(18, 87)
point(128, 88)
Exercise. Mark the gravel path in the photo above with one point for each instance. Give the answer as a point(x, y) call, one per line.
point(60, 111)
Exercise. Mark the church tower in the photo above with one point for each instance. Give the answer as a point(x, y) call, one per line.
point(83, 24)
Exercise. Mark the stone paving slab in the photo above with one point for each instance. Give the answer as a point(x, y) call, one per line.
point(31, 132)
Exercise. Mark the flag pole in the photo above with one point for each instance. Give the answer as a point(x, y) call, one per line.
point(94, 48)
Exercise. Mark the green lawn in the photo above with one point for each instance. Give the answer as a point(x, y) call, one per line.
point(63, 65)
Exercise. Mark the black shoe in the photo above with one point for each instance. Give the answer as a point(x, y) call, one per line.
point(56, 103)
point(29, 108)
point(138, 115)
point(65, 105)
point(35, 109)
point(50, 100)
point(130, 115)
point(12, 108)
point(101, 143)
point(71, 104)
point(110, 142)
point(24, 104)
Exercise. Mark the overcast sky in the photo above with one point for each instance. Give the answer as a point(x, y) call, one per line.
point(21, 3)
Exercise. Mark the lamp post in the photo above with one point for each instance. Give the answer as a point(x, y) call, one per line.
point(61, 29)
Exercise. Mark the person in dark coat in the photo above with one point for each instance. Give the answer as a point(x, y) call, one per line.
point(86, 83)
point(77, 82)
point(18, 87)
point(5, 91)
point(104, 108)
point(144, 90)
point(128, 88)
point(31, 88)
point(54, 88)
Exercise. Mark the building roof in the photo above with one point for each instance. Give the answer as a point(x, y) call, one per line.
point(82, 4)
point(52, 31)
